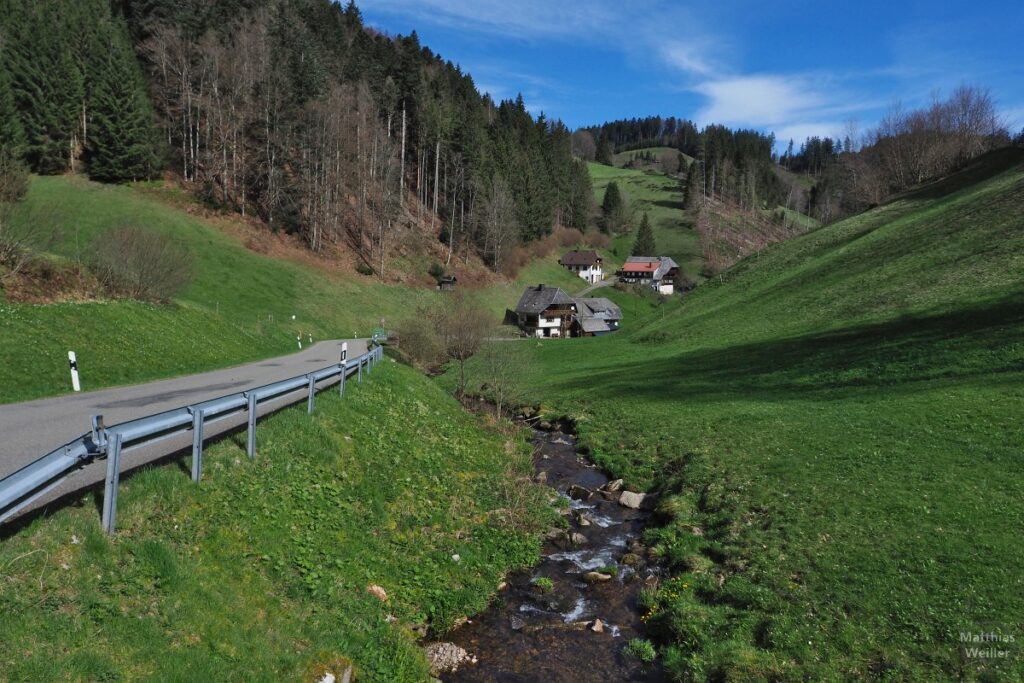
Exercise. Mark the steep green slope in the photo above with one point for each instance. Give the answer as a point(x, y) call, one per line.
point(836, 428)
point(662, 198)
point(260, 572)
point(238, 308)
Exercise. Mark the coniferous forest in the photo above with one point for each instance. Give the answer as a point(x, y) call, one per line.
point(291, 110)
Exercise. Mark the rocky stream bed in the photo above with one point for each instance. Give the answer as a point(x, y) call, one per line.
point(569, 618)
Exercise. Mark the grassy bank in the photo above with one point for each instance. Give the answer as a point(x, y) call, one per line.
point(238, 308)
point(260, 572)
point(835, 429)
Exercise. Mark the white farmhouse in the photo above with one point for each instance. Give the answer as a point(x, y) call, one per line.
point(586, 264)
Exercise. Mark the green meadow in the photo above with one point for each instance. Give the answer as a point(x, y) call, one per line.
point(661, 198)
point(835, 431)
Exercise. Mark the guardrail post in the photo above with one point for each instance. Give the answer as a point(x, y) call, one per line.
point(250, 447)
point(359, 376)
point(110, 487)
point(341, 384)
point(312, 393)
point(197, 444)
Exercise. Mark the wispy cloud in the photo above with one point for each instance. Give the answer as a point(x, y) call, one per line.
point(524, 19)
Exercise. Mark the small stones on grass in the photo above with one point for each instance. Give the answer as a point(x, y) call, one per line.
point(446, 657)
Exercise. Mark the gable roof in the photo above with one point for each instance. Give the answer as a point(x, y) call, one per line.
point(579, 258)
point(600, 307)
point(594, 325)
point(636, 265)
point(540, 298)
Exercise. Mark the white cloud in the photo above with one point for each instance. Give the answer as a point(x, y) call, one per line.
point(688, 57)
point(758, 100)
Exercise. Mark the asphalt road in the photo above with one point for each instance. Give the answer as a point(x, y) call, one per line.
point(32, 429)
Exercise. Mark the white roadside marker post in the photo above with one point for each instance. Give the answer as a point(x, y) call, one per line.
point(298, 338)
point(73, 362)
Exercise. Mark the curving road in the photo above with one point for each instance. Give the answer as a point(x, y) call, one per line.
point(32, 429)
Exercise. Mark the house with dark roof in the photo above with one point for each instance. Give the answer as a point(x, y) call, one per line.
point(596, 317)
point(544, 311)
point(586, 264)
point(658, 272)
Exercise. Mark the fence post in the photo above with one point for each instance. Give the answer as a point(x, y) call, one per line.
point(110, 486)
point(312, 393)
point(341, 384)
point(197, 444)
point(250, 448)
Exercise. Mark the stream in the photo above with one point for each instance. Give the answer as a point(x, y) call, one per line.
point(533, 633)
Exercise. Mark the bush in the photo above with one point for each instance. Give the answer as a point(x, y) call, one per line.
point(420, 342)
point(141, 264)
point(641, 649)
point(436, 270)
point(364, 269)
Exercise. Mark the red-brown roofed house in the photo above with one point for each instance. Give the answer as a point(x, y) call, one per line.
point(659, 272)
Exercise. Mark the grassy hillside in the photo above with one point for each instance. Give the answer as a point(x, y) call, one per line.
point(238, 308)
point(662, 198)
point(836, 430)
point(260, 572)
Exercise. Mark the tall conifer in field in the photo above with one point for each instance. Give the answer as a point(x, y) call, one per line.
point(644, 244)
point(122, 136)
point(613, 208)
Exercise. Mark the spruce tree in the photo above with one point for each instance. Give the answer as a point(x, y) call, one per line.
point(604, 153)
point(46, 83)
point(644, 244)
point(12, 136)
point(122, 135)
point(613, 208)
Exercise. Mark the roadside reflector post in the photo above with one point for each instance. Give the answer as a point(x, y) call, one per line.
point(344, 351)
point(298, 338)
point(312, 393)
point(110, 486)
point(197, 444)
point(73, 362)
point(250, 447)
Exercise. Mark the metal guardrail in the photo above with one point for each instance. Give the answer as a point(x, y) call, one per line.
point(20, 489)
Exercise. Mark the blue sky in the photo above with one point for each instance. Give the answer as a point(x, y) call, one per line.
point(794, 67)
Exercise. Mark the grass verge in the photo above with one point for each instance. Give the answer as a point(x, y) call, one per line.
point(260, 572)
